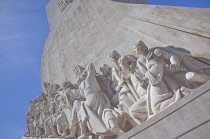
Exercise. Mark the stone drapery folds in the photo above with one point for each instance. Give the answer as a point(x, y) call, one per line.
point(110, 103)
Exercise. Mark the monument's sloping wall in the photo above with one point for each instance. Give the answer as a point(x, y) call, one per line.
point(87, 30)
point(189, 118)
point(134, 91)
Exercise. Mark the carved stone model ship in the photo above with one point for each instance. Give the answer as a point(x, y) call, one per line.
point(109, 103)
point(101, 81)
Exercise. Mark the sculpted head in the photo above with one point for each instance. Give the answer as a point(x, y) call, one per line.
point(125, 63)
point(57, 98)
point(67, 84)
point(47, 86)
point(31, 101)
point(114, 55)
point(105, 69)
point(78, 70)
point(34, 101)
point(40, 97)
point(79, 74)
point(45, 102)
point(140, 48)
point(52, 108)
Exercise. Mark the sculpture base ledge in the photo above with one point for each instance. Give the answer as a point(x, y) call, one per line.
point(36, 138)
point(188, 118)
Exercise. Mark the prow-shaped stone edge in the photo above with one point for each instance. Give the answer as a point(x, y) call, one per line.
point(186, 118)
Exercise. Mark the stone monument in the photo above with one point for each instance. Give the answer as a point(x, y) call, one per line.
point(123, 69)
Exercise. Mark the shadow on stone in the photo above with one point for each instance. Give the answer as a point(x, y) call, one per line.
point(132, 1)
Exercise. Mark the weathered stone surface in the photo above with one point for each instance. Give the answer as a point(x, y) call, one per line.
point(62, 4)
point(134, 89)
point(87, 30)
point(36, 138)
point(187, 118)
point(112, 102)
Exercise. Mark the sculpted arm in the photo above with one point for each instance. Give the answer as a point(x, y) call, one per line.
point(81, 89)
point(155, 73)
point(90, 70)
point(166, 55)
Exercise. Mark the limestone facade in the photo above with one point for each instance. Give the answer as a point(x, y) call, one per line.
point(123, 68)
point(88, 30)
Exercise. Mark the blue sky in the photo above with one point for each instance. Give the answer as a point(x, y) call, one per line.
point(183, 3)
point(23, 31)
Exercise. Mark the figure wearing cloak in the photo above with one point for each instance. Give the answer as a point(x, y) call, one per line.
point(184, 68)
point(96, 112)
point(162, 91)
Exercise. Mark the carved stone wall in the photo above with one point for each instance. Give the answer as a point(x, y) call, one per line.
point(94, 86)
point(87, 30)
point(62, 4)
point(189, 118)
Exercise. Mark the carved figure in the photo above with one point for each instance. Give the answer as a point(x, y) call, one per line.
point(183, 66)
point(138, 110)
point(52, 120)
point(30, 120)
point(106, 84)
point(126, 98)
point(162, 90)
point(100, 105)
point(96, 111)
point(74, 98)
point(62, 119)
point(38, 118)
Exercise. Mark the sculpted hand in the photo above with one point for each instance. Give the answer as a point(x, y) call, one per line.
point(175, 68)
point(118, 88)
point(142, 77)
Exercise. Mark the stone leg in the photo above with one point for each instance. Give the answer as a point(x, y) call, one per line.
point(125, 102)
point(73, 132)
point(64, 129)
point(30, 130)
point(114, 128)
point(59, 129)
point(83, 133)
point(46, 129)
point(38, 132)
point(197, 77)
point(193, 77)
point(112, 121)
point(54, 131)
point(138, 111)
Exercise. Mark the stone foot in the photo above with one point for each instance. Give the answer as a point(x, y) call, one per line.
point(53, 136)
point(62, 136)
point(186, 91)
point(83, 136)
point(44, 136)
point(69, 137)
point(117, 130)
